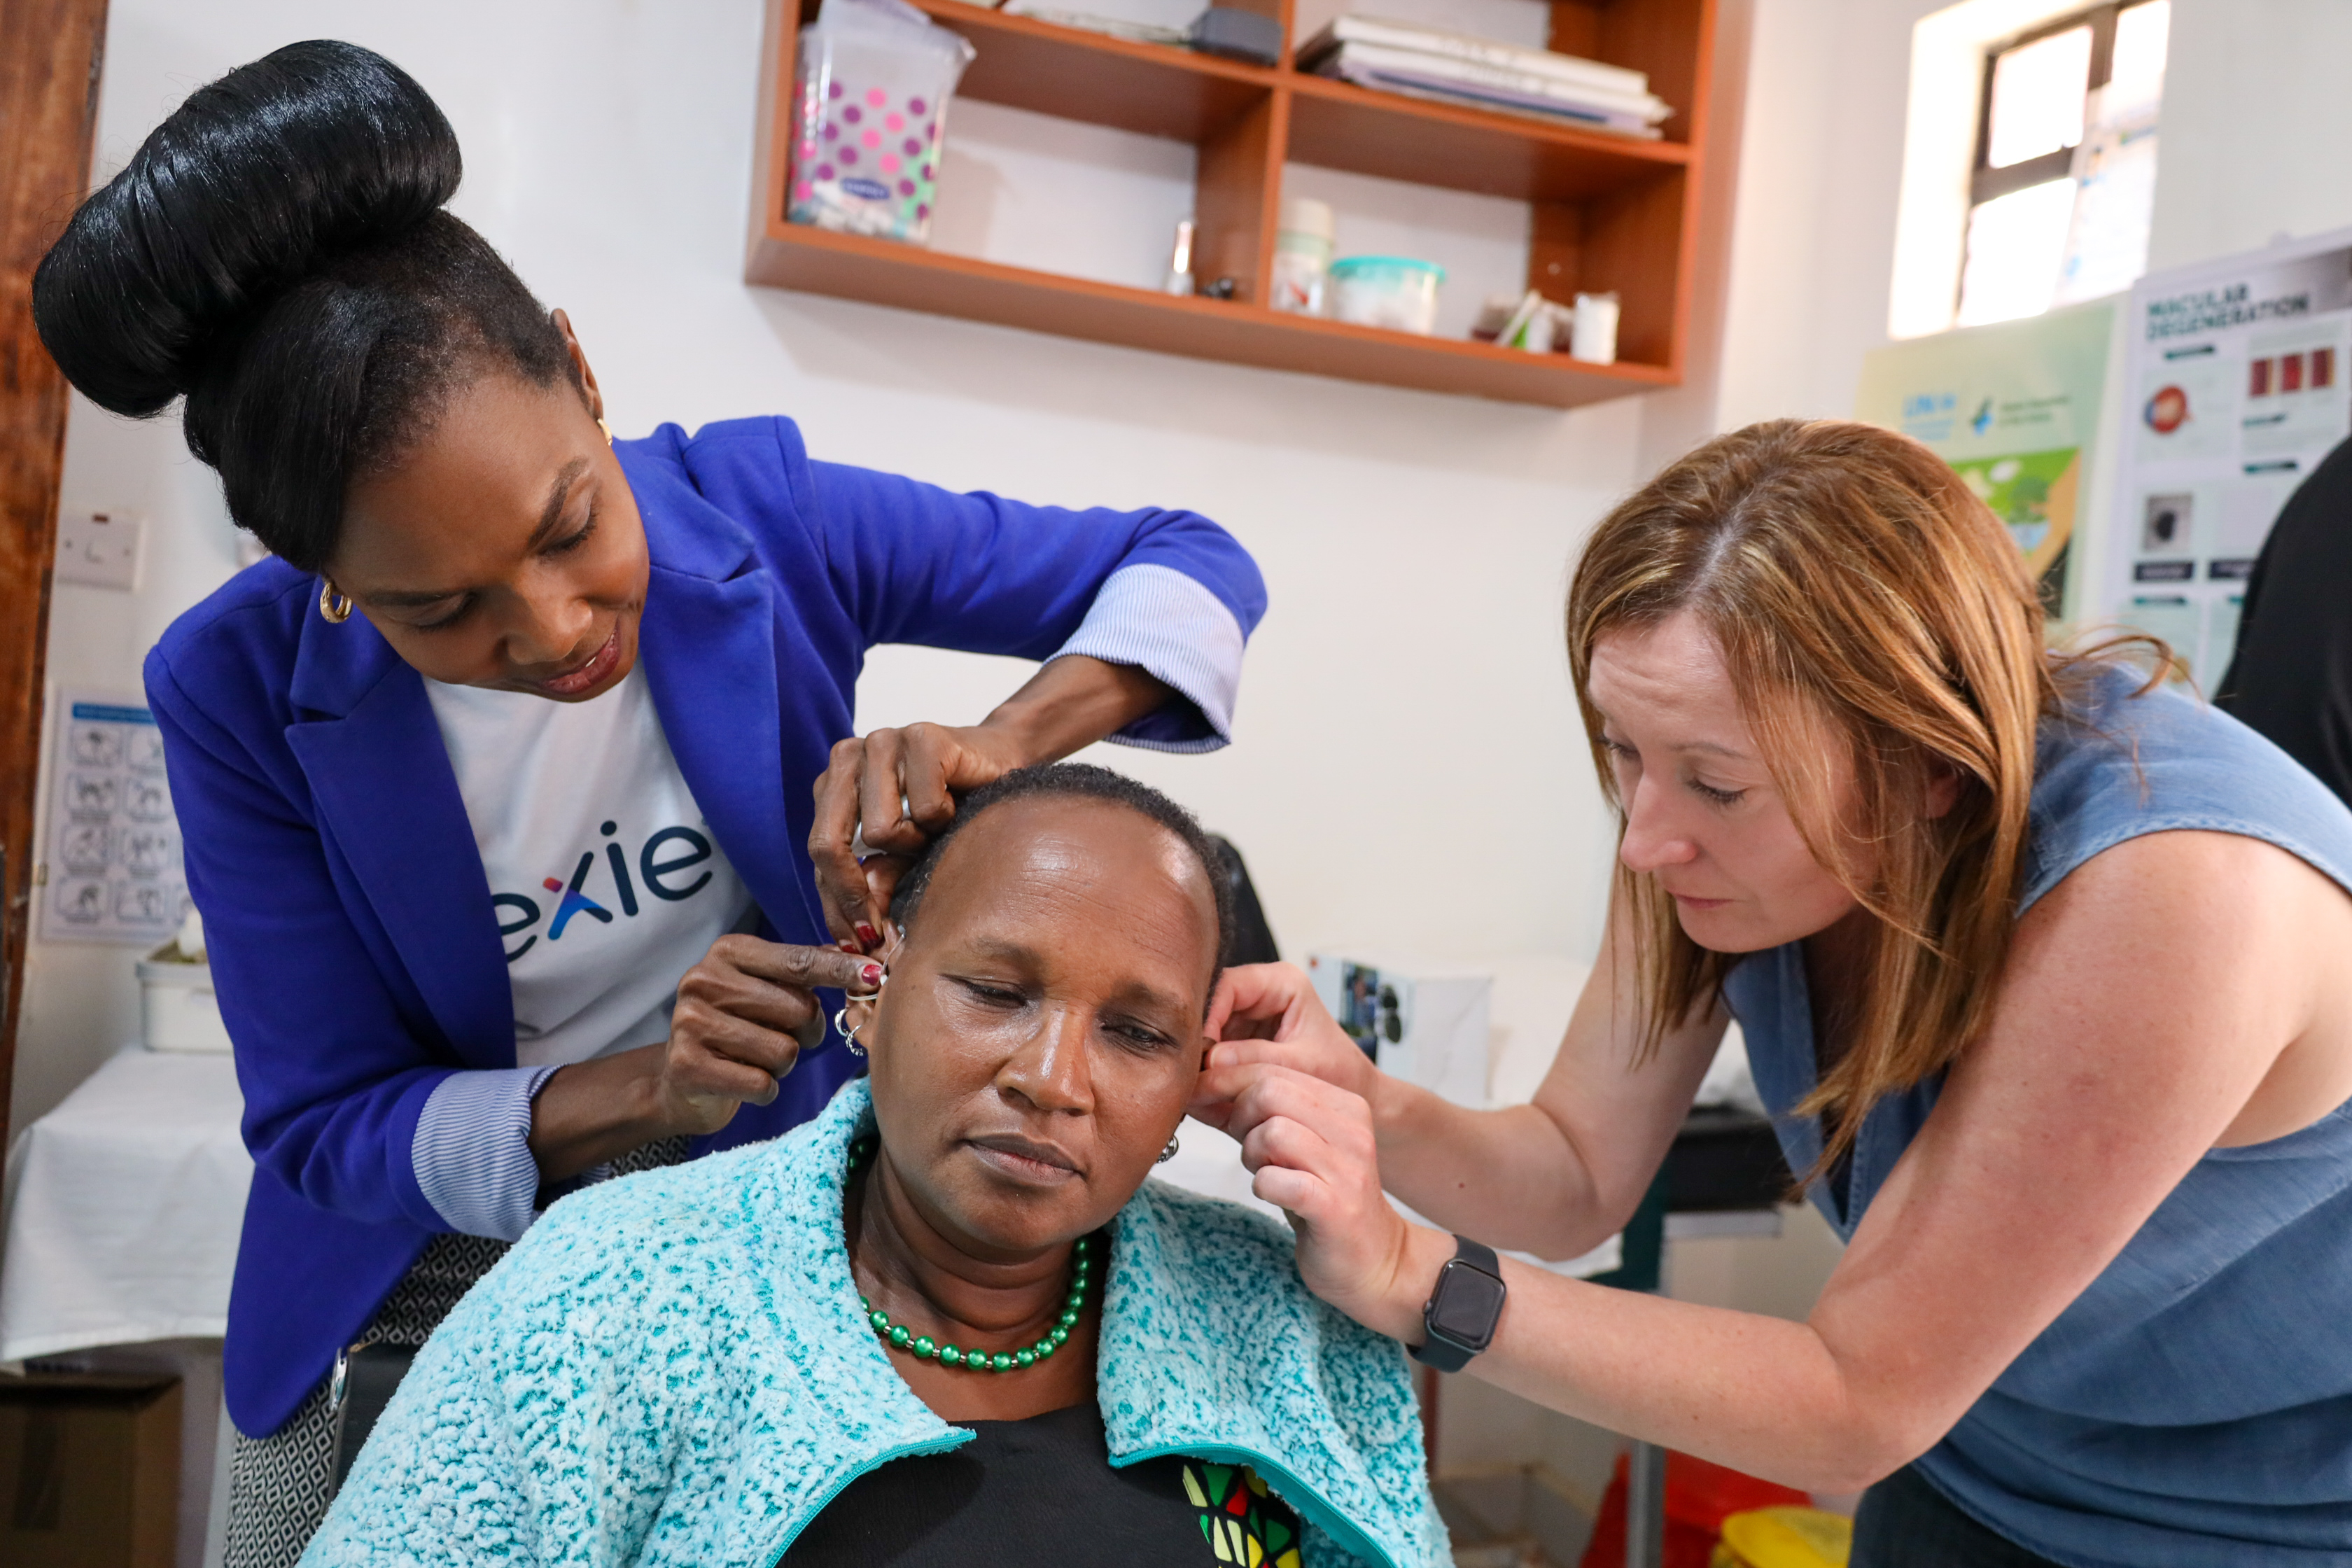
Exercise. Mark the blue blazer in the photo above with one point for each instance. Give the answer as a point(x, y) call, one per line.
point(354, 948)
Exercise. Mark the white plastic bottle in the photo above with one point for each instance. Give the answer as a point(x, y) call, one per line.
point(1302, 255)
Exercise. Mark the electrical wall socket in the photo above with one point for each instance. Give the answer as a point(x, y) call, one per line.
point(101, 550)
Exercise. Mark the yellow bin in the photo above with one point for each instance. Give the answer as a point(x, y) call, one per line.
point(1785, 1538)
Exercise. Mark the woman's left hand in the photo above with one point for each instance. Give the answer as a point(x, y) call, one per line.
point(897, 787)
point(1310, 1147)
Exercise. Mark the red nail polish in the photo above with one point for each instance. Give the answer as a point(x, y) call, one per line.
point(867, 934)
point(871, 975)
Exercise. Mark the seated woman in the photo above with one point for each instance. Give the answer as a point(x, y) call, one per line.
point(947, 1322)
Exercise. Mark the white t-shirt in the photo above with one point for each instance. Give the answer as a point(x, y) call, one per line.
point(608, 883)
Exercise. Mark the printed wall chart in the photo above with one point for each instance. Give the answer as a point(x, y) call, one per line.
point(2016, 409)
point(2237, 388)
point(114, 846)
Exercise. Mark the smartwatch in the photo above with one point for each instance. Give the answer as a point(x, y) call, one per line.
point(1462, 1310)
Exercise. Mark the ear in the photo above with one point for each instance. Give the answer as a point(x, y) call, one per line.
point(585, 376)
point(858, 1012)
point(1943, 787)
point(861, 1010)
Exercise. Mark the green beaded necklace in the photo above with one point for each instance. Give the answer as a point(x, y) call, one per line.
point(925, 1348)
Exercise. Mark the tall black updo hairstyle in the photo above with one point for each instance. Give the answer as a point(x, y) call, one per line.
point(277, 253)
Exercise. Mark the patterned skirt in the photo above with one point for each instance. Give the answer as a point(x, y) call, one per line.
point(279, 1486)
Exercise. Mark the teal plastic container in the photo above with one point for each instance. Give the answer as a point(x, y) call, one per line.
point(1392, 291)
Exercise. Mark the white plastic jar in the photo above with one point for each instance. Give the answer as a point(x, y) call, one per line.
point(1392, 291)
point(177, 1009)
point(1302, 255)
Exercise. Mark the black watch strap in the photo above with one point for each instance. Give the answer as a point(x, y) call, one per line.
point(1459, 1320)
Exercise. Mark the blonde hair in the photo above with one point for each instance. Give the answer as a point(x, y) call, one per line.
point(1849, 577)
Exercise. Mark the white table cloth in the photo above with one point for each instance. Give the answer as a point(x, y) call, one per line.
point(123, 1207)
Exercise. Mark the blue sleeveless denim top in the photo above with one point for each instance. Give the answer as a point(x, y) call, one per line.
point(2193, 1407)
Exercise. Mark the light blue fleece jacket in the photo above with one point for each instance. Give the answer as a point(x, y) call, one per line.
point(673, 1368)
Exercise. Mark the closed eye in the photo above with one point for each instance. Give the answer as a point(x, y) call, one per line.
point(989, 995)
point(1139, 1038)
point(1719, 796)
point(572, 540)
point(451, 619)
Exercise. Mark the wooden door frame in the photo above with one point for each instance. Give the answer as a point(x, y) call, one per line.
point(50, 56)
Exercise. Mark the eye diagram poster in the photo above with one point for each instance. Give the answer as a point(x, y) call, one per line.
point(2015, 409)
point(113, 846)
point(2236, 389)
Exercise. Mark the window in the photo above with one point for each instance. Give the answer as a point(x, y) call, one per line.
point(2065, 164)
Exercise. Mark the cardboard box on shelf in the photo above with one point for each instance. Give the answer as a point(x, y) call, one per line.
point(89, 1470)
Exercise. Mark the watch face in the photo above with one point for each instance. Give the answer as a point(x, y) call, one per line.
point(1466, 1304)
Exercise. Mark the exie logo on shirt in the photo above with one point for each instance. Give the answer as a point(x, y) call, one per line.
point(662, 863)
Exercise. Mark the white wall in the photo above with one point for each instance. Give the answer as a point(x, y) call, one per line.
point(1813, 231)
point(2256, 124)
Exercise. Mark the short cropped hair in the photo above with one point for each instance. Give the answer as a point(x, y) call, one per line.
point(1076, 781)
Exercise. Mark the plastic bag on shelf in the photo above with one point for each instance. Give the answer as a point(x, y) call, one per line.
point(870, 118)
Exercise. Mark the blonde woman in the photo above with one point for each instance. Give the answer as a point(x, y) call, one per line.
point(2046, 972)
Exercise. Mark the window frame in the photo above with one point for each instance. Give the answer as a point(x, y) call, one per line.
point(1988, 183)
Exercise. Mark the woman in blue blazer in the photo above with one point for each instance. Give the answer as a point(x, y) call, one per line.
point(619, 664)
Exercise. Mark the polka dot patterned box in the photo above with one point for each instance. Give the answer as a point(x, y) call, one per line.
point(870, 118)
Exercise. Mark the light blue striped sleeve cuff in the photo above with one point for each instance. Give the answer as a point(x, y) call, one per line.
point(472, 1151)
point(1161, 621)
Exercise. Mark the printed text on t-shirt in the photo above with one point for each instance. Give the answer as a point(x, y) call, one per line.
point(664, 858)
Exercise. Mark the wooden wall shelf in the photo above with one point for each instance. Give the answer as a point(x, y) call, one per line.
point(1149, 89)
point(1609, 212)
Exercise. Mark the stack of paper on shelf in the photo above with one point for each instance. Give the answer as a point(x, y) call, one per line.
point(1455, 68)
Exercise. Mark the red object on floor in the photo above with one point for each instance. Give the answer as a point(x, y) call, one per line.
point(1699, 1498)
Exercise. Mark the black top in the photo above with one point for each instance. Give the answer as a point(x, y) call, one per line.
point(1043, 1491)
point(2292, 680)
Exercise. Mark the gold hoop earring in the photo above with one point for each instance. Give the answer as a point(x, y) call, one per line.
point(334, 604)
point(607, 429)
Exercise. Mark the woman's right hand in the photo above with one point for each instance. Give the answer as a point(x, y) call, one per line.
point(1285, 1082)
point(1268, 1014)
point(743, 1016)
